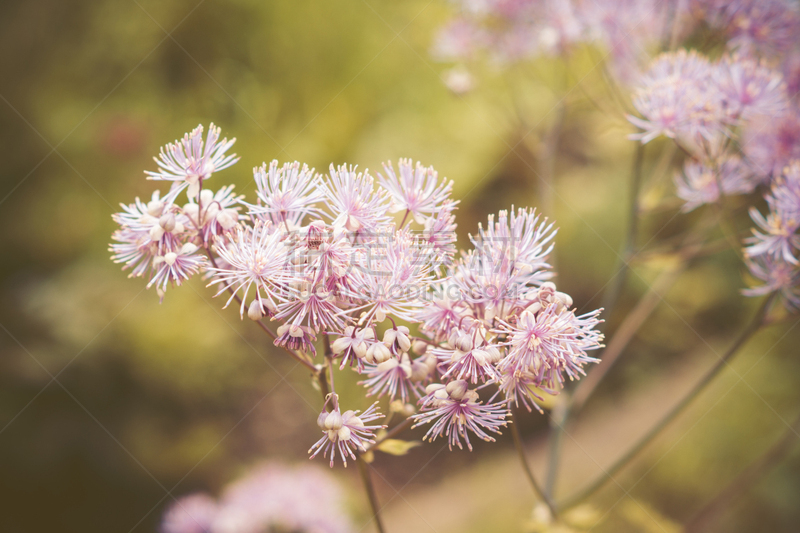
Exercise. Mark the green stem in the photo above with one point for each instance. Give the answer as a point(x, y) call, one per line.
point(754, 325)
point(612, 296)
point(366, 479)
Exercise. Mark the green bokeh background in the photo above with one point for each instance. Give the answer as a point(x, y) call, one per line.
point(108, 400)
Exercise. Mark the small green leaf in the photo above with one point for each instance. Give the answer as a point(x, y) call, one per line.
point(397, 446)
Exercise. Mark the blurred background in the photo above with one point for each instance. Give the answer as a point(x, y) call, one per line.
point(110, 402)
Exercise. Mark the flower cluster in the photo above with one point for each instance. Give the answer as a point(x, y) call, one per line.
point(512, 30)
point(367, 268)
point(269, 498)
point(738, 120)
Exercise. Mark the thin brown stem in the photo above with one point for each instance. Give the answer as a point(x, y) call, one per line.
point(527, 468)
point(366, 479)
point(608, 474)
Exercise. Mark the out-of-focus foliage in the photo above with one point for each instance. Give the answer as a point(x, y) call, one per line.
point(109, 400)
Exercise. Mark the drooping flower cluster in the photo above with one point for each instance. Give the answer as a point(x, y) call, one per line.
point(271, 497)
point(513, 30)
point(354, 265)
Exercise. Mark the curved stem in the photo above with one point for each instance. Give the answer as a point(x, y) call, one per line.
point(528, 472)
point(366, 479)
point(704, 518)
point(612, 296)
point(754, 325)
point(624, 334)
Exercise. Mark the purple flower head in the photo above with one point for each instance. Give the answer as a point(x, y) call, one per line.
point(455, 411)
point(750, 88)
point(352, 345)
point(257, 257)
point(768, 27)
point(700, 183)
point(191, 161)
point(770, 143)
point(444, 311)
point(344, 433)
point(397, 377)
point(271, 497)
point(416, 190)
point(775, 275)
point(549, 342)
point(678, 99)
point(214, 214)
point(469, 357)
point(509, 256)
point(190, 514)
point(285, 194)
point(777, 238)
point(176, 266)
point(352, 199)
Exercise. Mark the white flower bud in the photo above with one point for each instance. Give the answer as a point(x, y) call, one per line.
point(360, 350)
point(464, 343)
point(389, 336)
point(419, 347)
point(480, 357)
point(170, 257)
point(255, 311)
point(457, 389)
point(156, 232)
point(321, 419)
point(191, 210)
point(206, 197)
point(564, 298)
point(188, 248)
point(378, 353)
point(333, 421)
point(433, 387)
point(493, 355)
point(227, 219)
point(155, 208)
point(403, 341)
point(167, 221)
point(344, 433)
point(419, 371)
point(194, 188)
point(340, 345)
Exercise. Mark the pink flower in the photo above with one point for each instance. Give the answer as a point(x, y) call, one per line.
point(190, 161)
point(345, 433)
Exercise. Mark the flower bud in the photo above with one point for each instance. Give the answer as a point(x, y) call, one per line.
point(419, 347)
point(206, 197)
point(389, 337)
point(156, 232)
point(403, 341)
point(457, 389)
point(344, 433)
point(155, 208)
point(480, 357)
point(333, 421)
point(255, 311)
point(321, 419)
point(170, 258)
point(419, 371)
point(464, 343)
point(493, 355)
point(227, 219)
point(167, 221)
point(360, 350)
point(340, 345)
point(188, 248)
point(433, 387)
point(378, 353)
